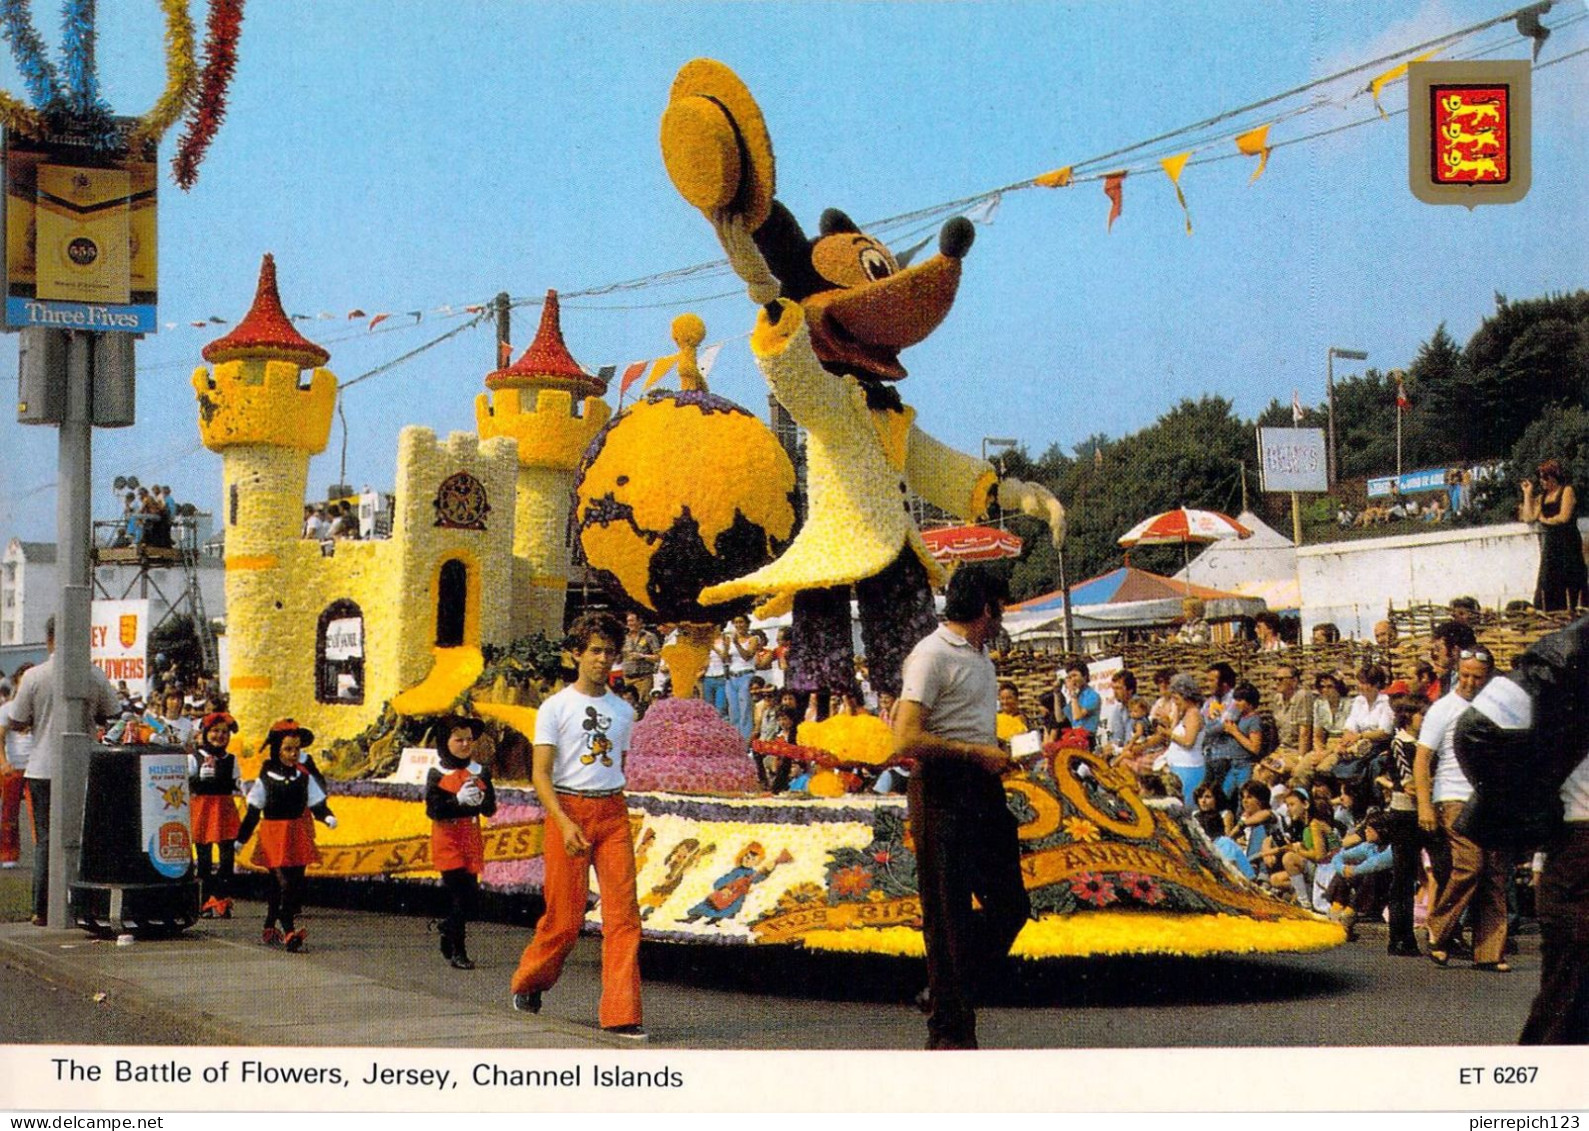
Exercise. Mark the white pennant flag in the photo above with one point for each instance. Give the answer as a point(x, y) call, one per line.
point(708, 358)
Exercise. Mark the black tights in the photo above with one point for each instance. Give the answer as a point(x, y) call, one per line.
point(286, 896)
point(216, 882)
point(461, 885)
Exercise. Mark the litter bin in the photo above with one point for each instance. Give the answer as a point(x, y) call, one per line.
point(136, 870)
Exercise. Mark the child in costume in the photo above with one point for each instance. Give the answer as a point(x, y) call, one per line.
point(457, 795)
point(212, 782)
point(280, 805)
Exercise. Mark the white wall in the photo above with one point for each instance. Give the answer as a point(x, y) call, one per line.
point(1352, 583)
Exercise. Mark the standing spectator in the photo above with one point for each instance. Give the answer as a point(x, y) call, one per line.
point(1563, 578)
point(1407, 840)
point(741, 667)
point(714, 681)
point(967, 847)
point(16, 747)
point(1450, 639)
point(1114, 728)
point(642, 649)
point(1219, 748)
point(34, 706)
point(1478, 875)
point(581, 737)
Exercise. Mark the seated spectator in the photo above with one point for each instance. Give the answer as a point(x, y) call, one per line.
point(1344, 517)
point(1437, 511)
point(1330, 711)
point(1361, 876)
point(1325, 632)
point(1317, 845)
point(1266, 627)
point(1227, 848)
point(1254, 826)
point(1194, 629)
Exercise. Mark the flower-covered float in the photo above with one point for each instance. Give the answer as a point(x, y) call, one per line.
point(686, 505)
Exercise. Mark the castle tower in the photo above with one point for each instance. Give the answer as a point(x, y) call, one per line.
point(265, 420)
point(554, 409)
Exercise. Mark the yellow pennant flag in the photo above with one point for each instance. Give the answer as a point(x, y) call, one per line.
point(1255, 143)
point(659, 369)
point(1390, 76)
point(1172, 168)
point(1059, 178)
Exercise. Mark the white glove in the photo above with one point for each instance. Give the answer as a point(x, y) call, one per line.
point(470, 795)
point(1036, 500)
point(746, 258)
point(331, 822)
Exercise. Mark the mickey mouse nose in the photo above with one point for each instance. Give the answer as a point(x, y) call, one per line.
point(955, 238)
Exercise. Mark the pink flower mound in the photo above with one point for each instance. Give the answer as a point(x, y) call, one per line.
point(683, 746)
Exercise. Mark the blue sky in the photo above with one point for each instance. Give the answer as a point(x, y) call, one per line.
point(400, 157)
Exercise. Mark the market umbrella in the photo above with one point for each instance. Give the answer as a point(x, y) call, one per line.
point(1183, 526)
point(971, 544)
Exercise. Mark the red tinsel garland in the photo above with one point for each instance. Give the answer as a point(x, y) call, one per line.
point(209, 110)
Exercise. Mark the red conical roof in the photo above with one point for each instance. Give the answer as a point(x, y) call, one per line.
point(266, 331)
point(547, 363)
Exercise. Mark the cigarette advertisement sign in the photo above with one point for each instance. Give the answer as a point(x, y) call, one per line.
point(80, 248)
point(163, 795)
point(119, 641)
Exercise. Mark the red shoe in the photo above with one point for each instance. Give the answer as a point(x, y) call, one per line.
point(296, 939)
point(223, 908)
point(271, 937)
point(211, 908)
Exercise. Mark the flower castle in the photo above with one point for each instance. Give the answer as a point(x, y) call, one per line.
point(331, 639)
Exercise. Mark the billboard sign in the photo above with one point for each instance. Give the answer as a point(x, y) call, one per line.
point(80, 249)
point(119, 641)
point(1293, 459)
point(1430, 479)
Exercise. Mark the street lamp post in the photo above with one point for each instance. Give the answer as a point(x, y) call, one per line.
point(1329, 389)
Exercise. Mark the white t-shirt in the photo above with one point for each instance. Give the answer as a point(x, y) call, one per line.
point(1184, 754)
point(1439, 734)
point(19, 746)
point(715, 665)
point(591, 736)
point(737, 664)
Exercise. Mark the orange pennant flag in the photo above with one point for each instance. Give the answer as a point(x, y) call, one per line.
point(1059, 178)
point(1255, 143)
point(659, 369)
point(1114, 189)
point(1382, 81)
point(631, 374)
point(1172, 169)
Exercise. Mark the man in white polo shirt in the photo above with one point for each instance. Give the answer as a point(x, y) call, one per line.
point(1477, 873)
point(965, 834)
point(581, 737)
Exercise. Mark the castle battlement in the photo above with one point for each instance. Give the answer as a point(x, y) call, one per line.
point(549, 432)
point(259, 401)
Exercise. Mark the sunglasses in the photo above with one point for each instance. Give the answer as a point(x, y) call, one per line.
point(1475, 654)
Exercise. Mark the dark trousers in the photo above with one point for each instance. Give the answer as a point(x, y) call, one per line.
point(1560, 1013)
point(460, 885)
point(39, 806)
point(966, 846)
point(1407, 844)
point(286, 897)
point(213, 882)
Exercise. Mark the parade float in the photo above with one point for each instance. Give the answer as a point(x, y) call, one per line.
point(686, 506)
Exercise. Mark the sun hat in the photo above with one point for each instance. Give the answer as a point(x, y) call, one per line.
point(715, 143)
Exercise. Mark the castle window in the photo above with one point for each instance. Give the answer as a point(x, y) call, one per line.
point(452, 602)
point(231, 513)
point(339, 654)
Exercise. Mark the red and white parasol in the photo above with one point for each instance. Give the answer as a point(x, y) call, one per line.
point(971, 544)
point(1182, 526)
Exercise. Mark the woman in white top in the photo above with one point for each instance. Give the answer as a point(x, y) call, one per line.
point(1371, 718)
point(1185, 753)
point(742, 648)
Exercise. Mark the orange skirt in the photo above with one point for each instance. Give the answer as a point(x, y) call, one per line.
point(286, 843)
point(214, 818)
point(457, 844)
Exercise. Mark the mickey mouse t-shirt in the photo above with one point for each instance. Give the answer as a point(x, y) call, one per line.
point(591, 736)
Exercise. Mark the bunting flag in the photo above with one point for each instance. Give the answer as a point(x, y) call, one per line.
point(378, 319)
point(1173, 167)
point(606, 373)
point(1380, 82)
point(356, 313)
point(708, 358)
point(631, 374)
point(660, 368)
point(1296, 408)
point(1255, 143)
point(1059, 178)
point(1114, 189)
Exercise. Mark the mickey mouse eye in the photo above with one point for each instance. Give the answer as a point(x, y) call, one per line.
point(875, 264)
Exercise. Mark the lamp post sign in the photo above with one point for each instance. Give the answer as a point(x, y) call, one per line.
point(80, 248)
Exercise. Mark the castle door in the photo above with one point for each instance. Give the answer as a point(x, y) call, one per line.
point(339, 654)
point(452, 601)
